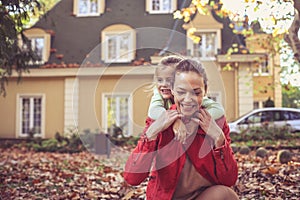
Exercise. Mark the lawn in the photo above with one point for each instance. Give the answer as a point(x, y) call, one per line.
point(26, 174)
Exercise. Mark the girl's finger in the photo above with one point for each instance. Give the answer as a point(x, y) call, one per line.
point(196, 120)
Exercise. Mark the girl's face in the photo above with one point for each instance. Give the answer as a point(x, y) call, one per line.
point(164, 80)
point(188, 92)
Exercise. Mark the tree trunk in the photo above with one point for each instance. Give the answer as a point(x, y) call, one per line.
point(292, 37)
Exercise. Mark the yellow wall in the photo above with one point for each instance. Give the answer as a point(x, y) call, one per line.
point(52, 88)
point(263, 88)
point(230, 107)
point(91, 90)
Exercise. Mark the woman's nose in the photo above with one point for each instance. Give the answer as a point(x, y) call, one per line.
point(188, 97)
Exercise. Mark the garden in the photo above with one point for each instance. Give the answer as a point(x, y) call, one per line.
point(67, 167)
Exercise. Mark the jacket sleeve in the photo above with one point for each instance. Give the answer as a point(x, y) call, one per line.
point(214, 108)
point(226, 169)
point(156, 107)
point(139, 163)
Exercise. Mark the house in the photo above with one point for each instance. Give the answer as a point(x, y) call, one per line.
point(97, 61)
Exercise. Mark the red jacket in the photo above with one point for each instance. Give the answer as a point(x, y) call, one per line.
point(164, 159)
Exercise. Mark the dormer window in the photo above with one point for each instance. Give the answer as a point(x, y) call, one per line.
point(263, 68)
point(40, 44)
point(207, 47)
point(118, 44)
point(85, 8)
point(161, 6)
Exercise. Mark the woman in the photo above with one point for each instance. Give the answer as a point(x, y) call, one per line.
point(203, 167)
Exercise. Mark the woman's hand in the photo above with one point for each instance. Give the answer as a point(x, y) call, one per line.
point(208, 124)
point(165, 120)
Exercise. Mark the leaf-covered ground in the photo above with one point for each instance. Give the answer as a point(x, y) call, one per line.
point(30, 175)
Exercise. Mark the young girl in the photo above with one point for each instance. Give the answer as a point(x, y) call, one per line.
point(162, 98)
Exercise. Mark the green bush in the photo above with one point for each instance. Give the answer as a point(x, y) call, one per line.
point(60, 144)
point(74, 142)
point(264, 133)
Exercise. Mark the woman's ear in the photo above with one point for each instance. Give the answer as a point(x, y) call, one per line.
point(172, 92)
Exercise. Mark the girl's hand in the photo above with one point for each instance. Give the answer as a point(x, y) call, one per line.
point(165, 120)
point(180, 131)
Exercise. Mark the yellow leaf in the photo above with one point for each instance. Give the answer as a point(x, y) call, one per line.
point(129, 195)
point(196, 39)
point(191, 31)
point(177, 15)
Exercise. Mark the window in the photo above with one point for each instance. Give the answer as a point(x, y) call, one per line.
point(117, 111)
point(161, 6)
point(258, 104)
point(294, 115)
point(207, 48)
point(256, 118)
point(30, 111)
point(118, 47)
point(40, 44)
point(262, 69)
point(84, 8)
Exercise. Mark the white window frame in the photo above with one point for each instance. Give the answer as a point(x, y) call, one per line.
point(44, 51)
point(190, 43)
point(100, 8)
point(116, 34)
point(260, 71)
point(149, 4)
point(19, 114)
point(260, 104)
point(105, 111)
point(39, 33)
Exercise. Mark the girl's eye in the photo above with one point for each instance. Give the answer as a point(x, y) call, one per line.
point(169, 80)
point(159, 80)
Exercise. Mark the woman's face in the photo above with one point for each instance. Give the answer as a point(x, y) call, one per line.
point(164, 80)
point(188, 92)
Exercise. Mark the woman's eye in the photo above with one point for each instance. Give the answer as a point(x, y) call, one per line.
point(180, 93)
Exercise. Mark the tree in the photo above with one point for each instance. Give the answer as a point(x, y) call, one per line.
point(14, 14)
point(290, 96)
point(291, 36)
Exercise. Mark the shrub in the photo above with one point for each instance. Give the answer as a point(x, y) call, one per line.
point(263, 133)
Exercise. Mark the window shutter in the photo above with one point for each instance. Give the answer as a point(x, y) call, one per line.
point(75, 7)
point(174, 5)
point(101, 6)
point(147, 4)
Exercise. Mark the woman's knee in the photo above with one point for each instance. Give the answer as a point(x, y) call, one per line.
point(218, 192)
